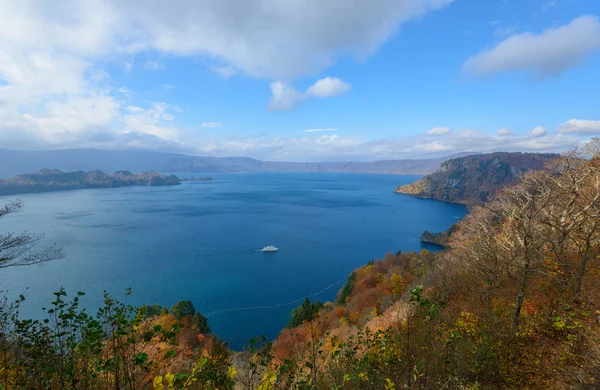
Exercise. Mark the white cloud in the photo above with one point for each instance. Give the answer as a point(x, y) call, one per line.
point(54, 51)
point(285, 97)
point(151, 121)
point(168, 86)
point(328, 86)
point(276, 40)
point(505, 31)
point(307, 148)
point(92, 122)
point(549, 53)
point(538, 132)
point(134, 109)
point(151, 128)
point(314, 147)
point(224, 71)
point(503, 132)
point(319, 130)
point(73, 116)
point(153, 65)
point(125, 92)
point(56, 92)
point(438, 131)
point(580, 126)
point(549, 5)
point(212, 124)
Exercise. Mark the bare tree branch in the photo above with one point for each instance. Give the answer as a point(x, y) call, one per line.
point(18, 249)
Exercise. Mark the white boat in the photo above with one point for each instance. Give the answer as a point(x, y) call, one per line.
point(269, 248)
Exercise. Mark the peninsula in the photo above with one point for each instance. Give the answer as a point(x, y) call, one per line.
point(47, 180)
point(472, 180)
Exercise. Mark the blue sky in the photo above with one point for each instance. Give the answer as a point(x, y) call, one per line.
point(304, 81)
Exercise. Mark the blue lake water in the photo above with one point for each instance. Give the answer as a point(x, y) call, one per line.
point(201, 241)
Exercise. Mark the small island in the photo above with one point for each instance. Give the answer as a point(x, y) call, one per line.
point(47, 180)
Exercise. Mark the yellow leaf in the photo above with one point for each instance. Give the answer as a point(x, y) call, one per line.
point(389, 385)
point(170, 378)
point(158, 383)
point(231, 371)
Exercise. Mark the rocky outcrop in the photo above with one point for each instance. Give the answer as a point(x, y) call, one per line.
point(473, 179)
point(437, 239)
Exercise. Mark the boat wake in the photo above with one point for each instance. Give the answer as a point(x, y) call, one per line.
point(266, 307)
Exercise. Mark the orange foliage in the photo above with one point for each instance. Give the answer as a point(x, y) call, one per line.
point(376, 289)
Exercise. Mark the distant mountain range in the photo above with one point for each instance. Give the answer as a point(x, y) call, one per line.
point(15, 162)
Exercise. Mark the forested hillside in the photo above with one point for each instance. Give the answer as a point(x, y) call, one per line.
point(54, 180)
point(513, 304)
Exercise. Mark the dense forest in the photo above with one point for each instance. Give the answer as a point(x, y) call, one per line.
point(512, 303)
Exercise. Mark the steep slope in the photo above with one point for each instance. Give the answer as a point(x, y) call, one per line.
point(473, 179)
point(13, 162)
point(501, 309)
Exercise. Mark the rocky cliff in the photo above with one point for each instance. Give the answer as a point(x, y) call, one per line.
point(473, 179)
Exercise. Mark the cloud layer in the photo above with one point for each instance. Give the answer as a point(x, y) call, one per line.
point(319, 147)
point(579, 126)
point(438, 131)
point(53, 83)
point(55, 90)
point(319, 130)
point(547, 54)
point(318, 144)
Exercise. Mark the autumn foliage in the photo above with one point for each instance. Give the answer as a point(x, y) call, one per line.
point(513, 303)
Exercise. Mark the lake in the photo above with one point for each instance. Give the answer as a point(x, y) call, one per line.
point(201, 241)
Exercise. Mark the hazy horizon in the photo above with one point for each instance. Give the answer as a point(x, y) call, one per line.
point(333, 160)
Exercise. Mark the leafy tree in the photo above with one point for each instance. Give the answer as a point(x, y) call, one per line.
point(201, 322)
point(305, 312)
point(147, 311)
point(347, 289)
point(182, 309)
point(186, 309)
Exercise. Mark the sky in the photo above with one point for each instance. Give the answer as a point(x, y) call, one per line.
point(300, 80)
